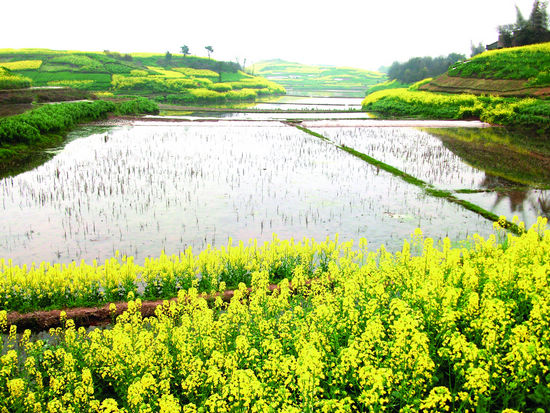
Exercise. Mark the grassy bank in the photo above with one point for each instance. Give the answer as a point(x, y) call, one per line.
point(428, 328)
point(527, 114)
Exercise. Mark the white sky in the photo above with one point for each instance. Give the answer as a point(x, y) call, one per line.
point(359, 33)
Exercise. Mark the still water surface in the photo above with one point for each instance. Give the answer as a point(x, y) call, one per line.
point(155, 186)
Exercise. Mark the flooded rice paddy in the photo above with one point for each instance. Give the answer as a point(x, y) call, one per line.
point(413, 151)
point(153, 185)
point(141, 189)
point(459, 167)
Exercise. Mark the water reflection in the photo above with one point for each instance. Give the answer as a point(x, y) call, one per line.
point(143, 188)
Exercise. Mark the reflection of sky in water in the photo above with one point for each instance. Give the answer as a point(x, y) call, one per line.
point(144, 188)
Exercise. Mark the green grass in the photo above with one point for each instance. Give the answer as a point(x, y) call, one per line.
point(526, 62)
point(100, 81)
point(526, 114)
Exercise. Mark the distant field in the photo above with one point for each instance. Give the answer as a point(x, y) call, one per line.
point(171, 79)
point(305, 78)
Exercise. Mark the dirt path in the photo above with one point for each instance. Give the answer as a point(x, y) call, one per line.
point(37, 321)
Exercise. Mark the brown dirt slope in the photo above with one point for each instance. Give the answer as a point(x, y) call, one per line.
point(500, 87)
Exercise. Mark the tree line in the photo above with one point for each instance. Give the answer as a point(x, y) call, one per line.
point(419, 68)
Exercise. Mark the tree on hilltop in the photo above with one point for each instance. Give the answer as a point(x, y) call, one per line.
point(524, 32)
point(185, 50)
point(538, 19)
point(210, 50)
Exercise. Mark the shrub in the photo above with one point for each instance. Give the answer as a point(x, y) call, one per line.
point(188, 71)
point(243, 94)
point(117, 68)
point(151, 84)
point(137, 106)
point(76, 84)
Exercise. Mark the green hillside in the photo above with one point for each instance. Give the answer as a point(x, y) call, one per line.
point(516, 71)
point(166, 78)
point(302, 79)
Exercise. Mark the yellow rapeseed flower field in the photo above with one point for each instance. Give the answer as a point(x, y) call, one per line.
point(430, 328)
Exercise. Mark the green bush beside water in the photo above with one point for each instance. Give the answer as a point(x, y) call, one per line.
point(137, 106)
point(29, 128)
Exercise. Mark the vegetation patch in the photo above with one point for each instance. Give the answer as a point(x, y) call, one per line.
point(150, 75)
point(527, 114)
point(515, 71)
point(525, 62)
point(22, 64)
point(8, 80)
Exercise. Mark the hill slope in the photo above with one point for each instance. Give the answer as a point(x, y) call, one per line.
point(517, 71)
point(163, 77)
point(307, 79)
